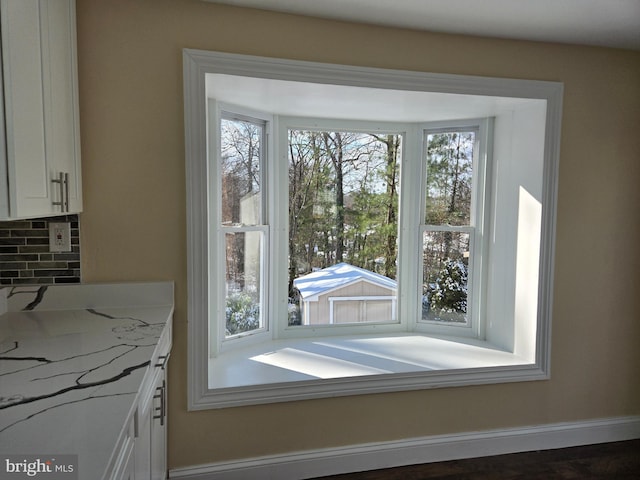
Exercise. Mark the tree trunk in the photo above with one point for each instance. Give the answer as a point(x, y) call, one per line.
point(336, 154)
point(392, 190)
point(448, 237)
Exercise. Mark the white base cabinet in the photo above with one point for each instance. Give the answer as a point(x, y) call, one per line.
point(141, 453)
point(159, 433)
point(40, 171)
point(151, 435)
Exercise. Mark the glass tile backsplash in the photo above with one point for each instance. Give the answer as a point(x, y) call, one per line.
point(25, 258)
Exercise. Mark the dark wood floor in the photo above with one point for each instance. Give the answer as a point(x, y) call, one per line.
point(607, 461)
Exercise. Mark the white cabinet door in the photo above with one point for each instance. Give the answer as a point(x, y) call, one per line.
point(63, 125)
point(151, 437)
point(41, 125)
point(159, 431)
point(27, 163)
point(122, 467)
point(143, 445)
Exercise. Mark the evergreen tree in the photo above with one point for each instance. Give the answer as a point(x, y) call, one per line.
point(449, 297)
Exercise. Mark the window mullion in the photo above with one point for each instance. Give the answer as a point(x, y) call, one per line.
point(409, 272)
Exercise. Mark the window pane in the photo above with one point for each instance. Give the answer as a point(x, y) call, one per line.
point(449, 178)
point(243, 282)
point(343, 219)
point(240, 145)
point(445, 273)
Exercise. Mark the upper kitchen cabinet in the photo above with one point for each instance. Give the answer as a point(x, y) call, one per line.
point(40, 134)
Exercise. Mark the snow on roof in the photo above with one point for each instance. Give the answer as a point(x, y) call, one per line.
point(341, 274)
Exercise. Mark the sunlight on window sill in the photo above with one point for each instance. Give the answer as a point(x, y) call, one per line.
point(354, 356)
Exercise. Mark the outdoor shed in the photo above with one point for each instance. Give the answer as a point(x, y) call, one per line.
point(344, 293)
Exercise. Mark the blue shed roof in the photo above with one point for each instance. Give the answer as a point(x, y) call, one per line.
point(341, 274)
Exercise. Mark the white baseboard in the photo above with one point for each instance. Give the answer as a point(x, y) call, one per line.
point(437, 448)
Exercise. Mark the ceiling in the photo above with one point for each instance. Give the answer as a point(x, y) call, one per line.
point(606, 23)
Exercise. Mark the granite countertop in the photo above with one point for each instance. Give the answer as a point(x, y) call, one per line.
point(72, 359)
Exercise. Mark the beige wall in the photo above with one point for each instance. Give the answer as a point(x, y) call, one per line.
point(133, 226)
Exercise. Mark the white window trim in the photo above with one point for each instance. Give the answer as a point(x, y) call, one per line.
point(196, 65)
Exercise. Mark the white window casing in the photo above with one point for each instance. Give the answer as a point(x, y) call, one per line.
point(513, 244)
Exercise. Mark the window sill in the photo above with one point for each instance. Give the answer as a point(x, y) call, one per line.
point(300, 369)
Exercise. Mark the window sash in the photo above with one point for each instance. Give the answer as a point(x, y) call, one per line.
point(480, 219)
point(281, 226)
point(471, 317)
point(219, 340)
point(261, 280)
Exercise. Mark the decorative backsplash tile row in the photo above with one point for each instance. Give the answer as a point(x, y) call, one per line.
point(25, 258)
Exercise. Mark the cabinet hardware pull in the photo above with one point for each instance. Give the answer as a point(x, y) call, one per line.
point(63, 182)
point(162, 361)
point(163, 405)
point(66, 192)
point(60, 182)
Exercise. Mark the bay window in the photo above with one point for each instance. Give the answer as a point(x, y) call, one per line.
point(356, 230)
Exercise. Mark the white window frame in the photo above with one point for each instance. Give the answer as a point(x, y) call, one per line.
point(480, 220)
point(413, 185)
point(197, 64)
point(286, 123)
point(218, 340)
